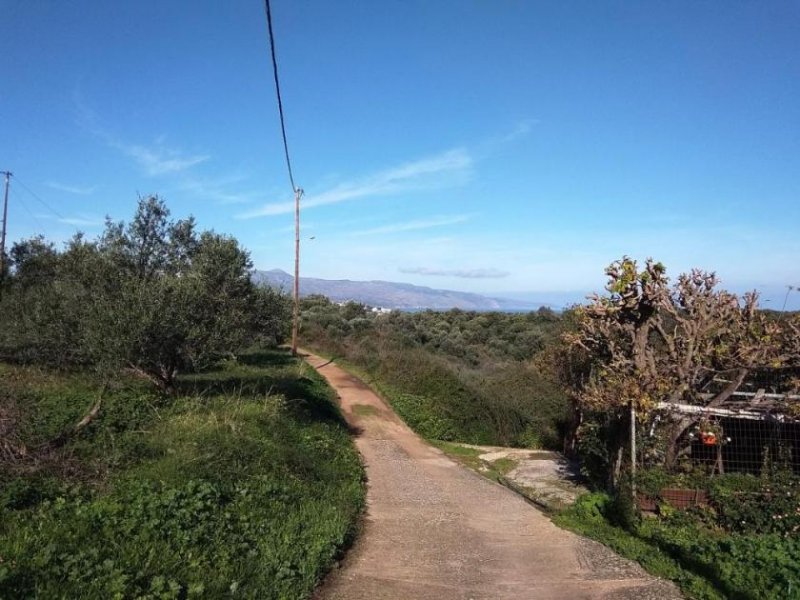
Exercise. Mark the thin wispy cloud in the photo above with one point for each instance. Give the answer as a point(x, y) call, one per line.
point(521, 129)
point(159, 159)
point(304, 227)
point(82, 221)
point(155, 159)
point(423, 174)
point(80, 190)
point(448, 168)
point(218, 189)
point(462, 273)
point(491, 145)
point(416, 225)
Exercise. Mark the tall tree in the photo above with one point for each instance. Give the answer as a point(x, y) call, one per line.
point(650, 342)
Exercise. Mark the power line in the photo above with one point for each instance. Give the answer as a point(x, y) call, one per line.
point(38, 199)
point(278, 93)
point(24, 205)
point(297, 191)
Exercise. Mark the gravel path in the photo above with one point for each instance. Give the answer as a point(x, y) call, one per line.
point(435, 530)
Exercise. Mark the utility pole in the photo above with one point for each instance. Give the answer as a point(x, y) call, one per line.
point(298, 192)
point(5, 222)
point(296, 314)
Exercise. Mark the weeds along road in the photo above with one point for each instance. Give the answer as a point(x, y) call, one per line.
point(434, 530)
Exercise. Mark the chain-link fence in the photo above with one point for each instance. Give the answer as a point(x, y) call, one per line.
point(753, 433)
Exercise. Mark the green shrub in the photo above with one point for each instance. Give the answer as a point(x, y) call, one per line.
point(421, 415)
point(750, 504)
point(591, 507)
point(740, 502)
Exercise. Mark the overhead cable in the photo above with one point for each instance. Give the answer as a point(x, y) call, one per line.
point(37, 198)
point(278, 93)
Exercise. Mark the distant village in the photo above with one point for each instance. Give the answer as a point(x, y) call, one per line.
point(380, 310)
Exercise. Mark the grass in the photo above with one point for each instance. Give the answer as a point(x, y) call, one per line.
point(706, 564)
point(246, 484)
point(465, 455)
point(504, 465)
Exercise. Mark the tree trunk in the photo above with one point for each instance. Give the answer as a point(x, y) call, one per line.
point(571, 437)
point(684, 423)
point(676, 434)
point(163, 381)
point(90, 416)
point(615, 476)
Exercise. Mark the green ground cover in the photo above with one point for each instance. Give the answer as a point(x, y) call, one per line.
point(245, 484)
point(706, 562)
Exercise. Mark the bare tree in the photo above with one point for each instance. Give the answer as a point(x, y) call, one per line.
point(650, 342)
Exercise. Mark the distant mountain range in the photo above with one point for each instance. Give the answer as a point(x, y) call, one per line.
point(387, 294)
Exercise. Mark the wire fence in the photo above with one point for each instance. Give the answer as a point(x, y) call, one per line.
point(755, 432)
point(760, 447)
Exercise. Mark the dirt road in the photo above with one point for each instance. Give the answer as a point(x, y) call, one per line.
point(435, 530)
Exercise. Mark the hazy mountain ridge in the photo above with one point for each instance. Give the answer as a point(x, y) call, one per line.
point(390, 294)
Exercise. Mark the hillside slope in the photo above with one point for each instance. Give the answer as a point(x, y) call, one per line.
point(390, 294)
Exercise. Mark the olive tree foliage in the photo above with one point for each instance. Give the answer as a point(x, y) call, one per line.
point(41, 306)
point(649, 341)
point(154, 296)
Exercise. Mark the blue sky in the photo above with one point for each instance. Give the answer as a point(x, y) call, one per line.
point(507, 148)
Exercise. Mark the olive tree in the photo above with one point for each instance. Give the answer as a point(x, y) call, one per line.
point(180, 300)
point(153, 296)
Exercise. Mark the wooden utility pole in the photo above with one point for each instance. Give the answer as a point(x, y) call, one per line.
point(296, 313)
point(5, 222)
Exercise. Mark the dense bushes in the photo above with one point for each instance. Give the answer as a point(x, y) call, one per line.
point(455, 375)
point(154, 296)
point(738, 502)
point(245, 484)
point(758, 505)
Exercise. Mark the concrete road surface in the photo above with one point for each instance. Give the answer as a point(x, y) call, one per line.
point(435, 530)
